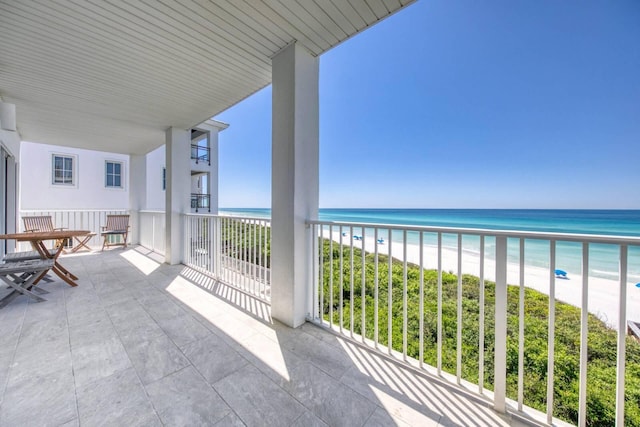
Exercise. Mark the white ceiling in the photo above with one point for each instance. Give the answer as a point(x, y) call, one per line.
point(112, 75)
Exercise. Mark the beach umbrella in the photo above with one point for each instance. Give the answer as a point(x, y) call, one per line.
point(637, 285)
point(561, 273)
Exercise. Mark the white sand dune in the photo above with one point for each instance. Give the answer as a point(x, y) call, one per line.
point(603, 294)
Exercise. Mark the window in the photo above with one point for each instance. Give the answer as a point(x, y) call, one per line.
point(164, 179)
point(63, 170)
point(113, 174)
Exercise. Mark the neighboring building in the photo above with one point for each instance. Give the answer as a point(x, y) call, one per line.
point(204, 170)
point(62, 178)
point(56, 178)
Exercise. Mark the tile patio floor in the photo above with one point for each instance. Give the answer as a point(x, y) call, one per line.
point(143, 343)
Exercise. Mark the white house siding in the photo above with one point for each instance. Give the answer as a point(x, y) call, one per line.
point(89, 191)
point(155, 194)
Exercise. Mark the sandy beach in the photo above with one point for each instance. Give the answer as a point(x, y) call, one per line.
point(603, 294)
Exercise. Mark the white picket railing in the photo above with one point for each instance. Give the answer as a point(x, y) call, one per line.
point(152, 230)
point(74, 219)
point(345, 298)
point(233, 250)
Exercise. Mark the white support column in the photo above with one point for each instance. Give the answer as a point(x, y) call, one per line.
point(295, 184)
point(178, 190)
point(137, 193)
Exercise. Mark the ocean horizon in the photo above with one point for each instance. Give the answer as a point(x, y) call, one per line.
point(604, 259)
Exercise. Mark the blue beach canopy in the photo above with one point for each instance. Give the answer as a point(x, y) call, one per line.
point(561, 273)
point(637, 285)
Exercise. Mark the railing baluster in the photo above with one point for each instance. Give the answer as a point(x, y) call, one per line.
point(521, 330)
point(331, 277)
point(459, 315)
point(351, 281)
point(321, 271)
point(375, 290)
point(622, 330)
point(421, 301)
point(500, 363)
point(254, 262)
point(341, 313)
point(584, 332)
point(243, 246)
point(552, 329)
point(312, 295)
point(404, 295)
point(259, 260)
point(363, 287)
point(481, 320)
point(390, 296)
point(223, 248)
point(439, 339)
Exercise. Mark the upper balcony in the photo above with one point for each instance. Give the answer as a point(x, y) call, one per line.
point(200, 202)
point(200, 154)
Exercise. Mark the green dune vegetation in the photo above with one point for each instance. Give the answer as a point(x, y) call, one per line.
point(601, 371)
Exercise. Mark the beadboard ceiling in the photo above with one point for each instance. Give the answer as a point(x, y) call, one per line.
point(113, 74)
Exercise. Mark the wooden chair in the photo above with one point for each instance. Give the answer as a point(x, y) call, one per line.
point(41, 223)
point(117, 225)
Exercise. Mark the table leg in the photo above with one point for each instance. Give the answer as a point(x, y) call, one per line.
point(69, 279)
point(62, 272)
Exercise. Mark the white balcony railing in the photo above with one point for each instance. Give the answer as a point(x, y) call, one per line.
point(74, 219)
point(401, 297)
point(235, 251)
point(152, 230)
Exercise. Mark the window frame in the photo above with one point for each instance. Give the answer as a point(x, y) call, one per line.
point(73, 170)
point(113, 174)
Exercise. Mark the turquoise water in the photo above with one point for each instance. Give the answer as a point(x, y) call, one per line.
point(603, 258)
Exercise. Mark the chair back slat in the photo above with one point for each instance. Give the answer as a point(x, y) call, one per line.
point(117, 222)
point(38, 223)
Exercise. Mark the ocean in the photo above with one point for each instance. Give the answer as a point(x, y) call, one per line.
point(604, 259)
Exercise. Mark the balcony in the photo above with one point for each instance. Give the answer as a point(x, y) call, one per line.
point(204, 330)
point(146, 343)
point(200, 201)
point(200, 154)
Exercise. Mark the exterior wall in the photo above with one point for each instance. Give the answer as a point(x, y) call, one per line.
point(11, 143)
point(197, 184)
point(9, 188)
point(155, 194)
point(89, 191)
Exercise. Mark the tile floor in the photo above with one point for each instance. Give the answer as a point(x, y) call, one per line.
point(144, 343)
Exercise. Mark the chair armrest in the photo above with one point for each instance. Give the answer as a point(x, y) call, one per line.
point(60, 228)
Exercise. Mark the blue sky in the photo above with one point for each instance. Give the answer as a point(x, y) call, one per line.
point(467, 104)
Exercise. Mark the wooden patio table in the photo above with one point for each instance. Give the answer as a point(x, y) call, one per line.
point(37, 239)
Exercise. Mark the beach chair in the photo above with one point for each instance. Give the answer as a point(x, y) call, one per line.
point(117, 225)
